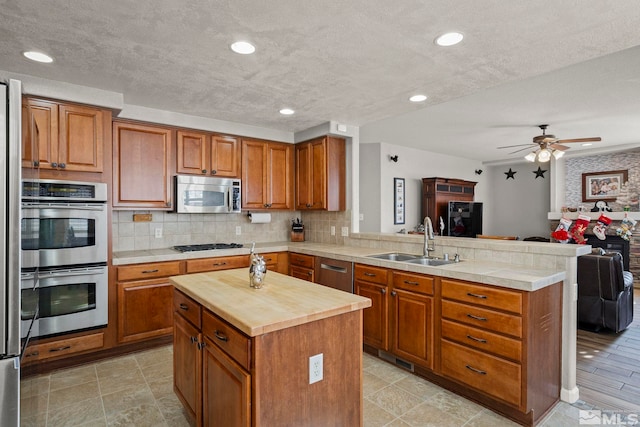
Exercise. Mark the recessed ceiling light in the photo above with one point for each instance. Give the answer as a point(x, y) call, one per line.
point(418, 98)
point(38, 56)
point(243, 48)
point(287, 111)
point(587, 144)
point(449, 39)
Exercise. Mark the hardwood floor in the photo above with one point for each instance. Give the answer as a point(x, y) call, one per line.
point(608, 373)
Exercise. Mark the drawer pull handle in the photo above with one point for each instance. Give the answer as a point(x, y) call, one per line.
point(35, 353)
point(220, 336)
point(409, 282)
point(218, 264)
point(149, 271)
point(476, 295)
point(184, 307)
point(477, 371)
point(370, 274)
point(482, 319)
point(66, 347)
point(482, 340)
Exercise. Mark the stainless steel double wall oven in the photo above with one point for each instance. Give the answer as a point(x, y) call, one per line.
point(64, 283)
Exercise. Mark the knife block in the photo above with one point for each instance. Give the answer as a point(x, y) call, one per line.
point(297, 236)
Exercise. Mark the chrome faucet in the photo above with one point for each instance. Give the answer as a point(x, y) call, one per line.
point(428, 236)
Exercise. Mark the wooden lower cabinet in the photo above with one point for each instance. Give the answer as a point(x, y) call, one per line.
point(498, 346)
point(226, 389)
point(62, 347)
point(412, 331)
point(371, 282)
point(187, 365)
point(301, 266)
point(263, 380)
point(144, 298)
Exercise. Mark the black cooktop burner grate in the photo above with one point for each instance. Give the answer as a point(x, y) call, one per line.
point(207, 247)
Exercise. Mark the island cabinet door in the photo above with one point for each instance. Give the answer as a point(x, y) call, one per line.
point(226, 390)
point(187, 366)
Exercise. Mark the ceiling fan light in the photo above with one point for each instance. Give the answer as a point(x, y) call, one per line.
point(531, 156)
point(544, 155)
point(558, 154)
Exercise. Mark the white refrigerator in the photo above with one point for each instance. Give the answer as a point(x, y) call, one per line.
point(10, 176)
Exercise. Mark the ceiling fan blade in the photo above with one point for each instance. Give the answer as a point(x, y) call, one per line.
point(559, 147)
point(594, 139)
point(518, 145)
point(523, 149)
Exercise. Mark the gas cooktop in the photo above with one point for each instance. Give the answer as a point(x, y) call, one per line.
point(207, 247)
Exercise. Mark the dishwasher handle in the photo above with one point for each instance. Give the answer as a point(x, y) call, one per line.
point(333, 268)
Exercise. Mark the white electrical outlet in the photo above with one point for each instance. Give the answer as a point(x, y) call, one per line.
point(345, 231)
point(361, 217)
point(158, 233)
point(315, 368)
point(238, 230)
point(333, 230)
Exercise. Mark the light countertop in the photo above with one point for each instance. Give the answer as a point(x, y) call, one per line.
point(281, 303)
point(527, 278)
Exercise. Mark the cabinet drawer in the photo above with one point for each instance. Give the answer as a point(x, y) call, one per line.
point(217, 263)
point(233, 342)
point(488, 374)
point(271, 259)
point(301, 260)
point(413, 282)
point(148, 271)
point(483, 318)
point(482, 340)
point(187, 308)
point(66, 347)
point(487, 296)
point(371, 274)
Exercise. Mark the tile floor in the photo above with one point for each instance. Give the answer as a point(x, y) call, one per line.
point(137, 390)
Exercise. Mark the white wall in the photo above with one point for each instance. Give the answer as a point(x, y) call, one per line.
point(518, 206)
point(376, 180)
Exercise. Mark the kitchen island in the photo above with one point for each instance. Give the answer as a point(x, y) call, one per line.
point(242, 356)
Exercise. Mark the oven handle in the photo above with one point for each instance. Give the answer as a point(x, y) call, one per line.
point(72, 272)
point(87, 207)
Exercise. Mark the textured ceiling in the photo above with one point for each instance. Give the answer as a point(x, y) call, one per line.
point(522, 63)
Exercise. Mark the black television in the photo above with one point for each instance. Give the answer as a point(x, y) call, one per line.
point(465, 219)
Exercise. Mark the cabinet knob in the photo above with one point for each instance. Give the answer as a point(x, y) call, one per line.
point(393, 293)
point(204, 171)
point(213, 172)
point(309, 205)
point(36, 163)
point(63, 165)
point(383, 291)
point(54, 165)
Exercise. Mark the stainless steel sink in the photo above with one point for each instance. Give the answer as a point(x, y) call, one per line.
point(430, 261)
point(395, 256)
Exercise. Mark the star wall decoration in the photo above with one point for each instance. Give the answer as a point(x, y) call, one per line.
point(539, 173)
point(511, 174)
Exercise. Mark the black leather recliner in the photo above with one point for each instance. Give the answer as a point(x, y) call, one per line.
point(605, 292)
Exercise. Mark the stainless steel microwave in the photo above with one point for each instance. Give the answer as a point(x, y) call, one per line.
point(203, 194)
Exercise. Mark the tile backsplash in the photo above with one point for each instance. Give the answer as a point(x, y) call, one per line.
point(184, 229)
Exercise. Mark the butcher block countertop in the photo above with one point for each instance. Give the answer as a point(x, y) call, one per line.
point(281, 303)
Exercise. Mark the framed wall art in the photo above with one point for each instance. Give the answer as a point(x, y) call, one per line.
point(398, 200)
point(603, 185)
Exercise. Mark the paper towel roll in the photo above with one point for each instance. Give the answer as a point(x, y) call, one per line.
point(260, 218)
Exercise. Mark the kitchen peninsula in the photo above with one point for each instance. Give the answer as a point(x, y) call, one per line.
point(289, 353)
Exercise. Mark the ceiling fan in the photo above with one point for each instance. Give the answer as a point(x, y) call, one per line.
point(548, 145)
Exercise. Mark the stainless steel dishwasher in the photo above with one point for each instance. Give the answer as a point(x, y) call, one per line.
point(334, 273)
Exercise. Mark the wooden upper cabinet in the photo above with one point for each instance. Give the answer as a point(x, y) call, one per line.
point(142, 156)
point(63, 136)
point(204, 154)
point(321, 174)
point(267, 175)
